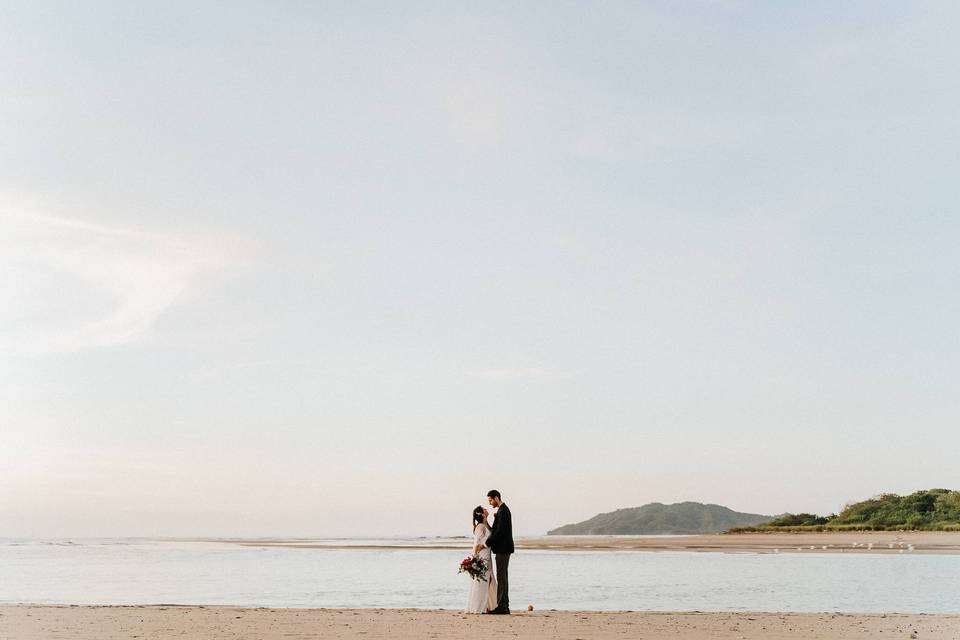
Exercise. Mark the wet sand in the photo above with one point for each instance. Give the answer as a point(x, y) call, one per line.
point(935, 542)
point(39, 622)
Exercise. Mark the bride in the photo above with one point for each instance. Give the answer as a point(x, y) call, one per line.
point(483, 593)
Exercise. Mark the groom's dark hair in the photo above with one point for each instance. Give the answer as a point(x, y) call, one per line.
point(493, 493)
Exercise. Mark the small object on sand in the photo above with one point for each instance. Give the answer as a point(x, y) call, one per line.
point(529, 607)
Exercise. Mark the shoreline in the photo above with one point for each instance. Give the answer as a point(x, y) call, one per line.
point(866, 542)
point(193, 622)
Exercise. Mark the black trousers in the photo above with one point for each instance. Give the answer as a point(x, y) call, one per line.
point(503, 584)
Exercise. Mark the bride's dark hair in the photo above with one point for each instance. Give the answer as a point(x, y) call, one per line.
point(477, 516)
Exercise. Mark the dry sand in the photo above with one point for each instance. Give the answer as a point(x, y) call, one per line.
point(42, 622)
point(939, 542)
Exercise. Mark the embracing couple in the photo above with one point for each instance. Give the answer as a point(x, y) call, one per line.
point(490, 594)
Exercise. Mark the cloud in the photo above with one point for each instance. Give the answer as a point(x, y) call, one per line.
point(67, 285)
point(653, 135)
point(512, 366)
point(472, 105)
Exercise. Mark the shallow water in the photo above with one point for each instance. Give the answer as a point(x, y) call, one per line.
point(162, 571)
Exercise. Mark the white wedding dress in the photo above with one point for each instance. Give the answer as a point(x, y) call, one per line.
point(483, 593)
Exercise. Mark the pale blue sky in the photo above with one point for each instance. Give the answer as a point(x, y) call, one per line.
point(294, 268)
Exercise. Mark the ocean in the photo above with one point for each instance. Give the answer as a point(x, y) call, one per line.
point(138, 571)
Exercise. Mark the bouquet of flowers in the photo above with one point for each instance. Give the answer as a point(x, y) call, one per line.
point(476, 567)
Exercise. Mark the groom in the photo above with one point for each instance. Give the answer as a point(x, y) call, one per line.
point(501, 544)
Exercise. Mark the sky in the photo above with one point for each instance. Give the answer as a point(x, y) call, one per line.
point(333, 269)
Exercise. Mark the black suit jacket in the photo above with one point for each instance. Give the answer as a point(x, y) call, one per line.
point(501, 533)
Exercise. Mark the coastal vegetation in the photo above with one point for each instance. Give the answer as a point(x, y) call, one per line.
point(927, 510)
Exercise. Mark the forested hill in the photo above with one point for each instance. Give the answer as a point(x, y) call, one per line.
point(657, 518)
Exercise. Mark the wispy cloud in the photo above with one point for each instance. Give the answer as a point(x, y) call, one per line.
point(473, 105)
point(511, 366)
point(68, 284)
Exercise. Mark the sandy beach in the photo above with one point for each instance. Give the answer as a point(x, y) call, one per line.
point(39, 622)
point(936, 542)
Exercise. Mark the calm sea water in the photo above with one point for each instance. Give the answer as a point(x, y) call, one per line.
point(162, 571)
